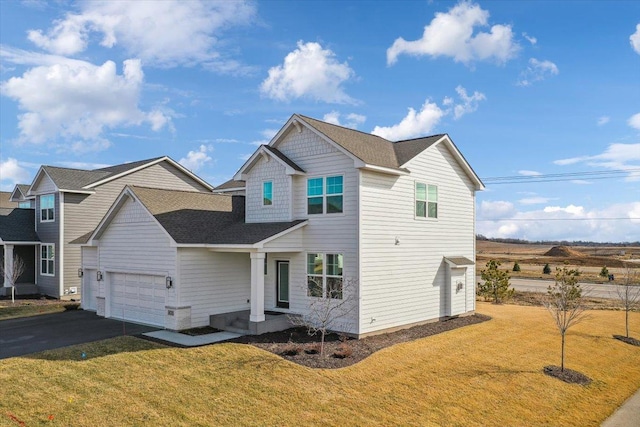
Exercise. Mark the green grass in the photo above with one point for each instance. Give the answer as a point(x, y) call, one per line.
point(28, 308)
point(489, 374)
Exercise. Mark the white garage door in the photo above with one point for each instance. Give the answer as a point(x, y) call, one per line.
point(89, 289)
point(137, 298)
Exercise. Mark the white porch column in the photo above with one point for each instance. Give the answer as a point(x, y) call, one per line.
point(257, 287)
point(8, 264)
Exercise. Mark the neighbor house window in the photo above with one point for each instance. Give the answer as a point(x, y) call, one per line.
point(267, 193)
point(324, 195)
point(47, 260)
point(24, 205)
point(426, 200)
point(324, 275)
point(46, 208)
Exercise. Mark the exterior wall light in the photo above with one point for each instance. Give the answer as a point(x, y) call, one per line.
point(99, 276)
point(169, 282)
point(80, 272)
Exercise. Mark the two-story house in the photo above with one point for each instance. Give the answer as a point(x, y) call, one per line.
point(323, 205)
point(69, 203)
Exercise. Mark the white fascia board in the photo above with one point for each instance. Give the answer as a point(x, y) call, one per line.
point(462, 161)
point(226, 190)
point(36, 178)
point(20, 243)
point(19, 197)
point(261, 243)
point(382, 169)
point(77, 191)
point(261, 151)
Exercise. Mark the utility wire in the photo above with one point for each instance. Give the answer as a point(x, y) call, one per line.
point(517, 179)
point(557, 219)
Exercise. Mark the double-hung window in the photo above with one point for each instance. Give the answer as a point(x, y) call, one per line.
point(325, 195)
point(267, 193)
point(426, 200)
point(47, 207)
point(47, 260)
point(324, 275)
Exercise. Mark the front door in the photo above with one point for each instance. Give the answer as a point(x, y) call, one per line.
point(282, 284)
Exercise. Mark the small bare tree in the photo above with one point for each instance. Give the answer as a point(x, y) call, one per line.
point(327, 312)
point(565, 303)
point(629, 294)
point(12, 273)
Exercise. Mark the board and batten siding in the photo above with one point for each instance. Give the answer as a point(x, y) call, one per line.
point(268, 169)
point(134, 243)
point(405, 282)
point(213, 283)
point(83, 213)
point(332, 233)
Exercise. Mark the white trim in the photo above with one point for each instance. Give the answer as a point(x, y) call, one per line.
point(282, 233)
point(359, 263)
point(226, 190)
point(60, 253)
point(151, 163)
point(324, 196)
point(15, 243)
point(40, 196)
point(262, 151)
point(426, 201)
point(382, 169)
point(37, 177)
point(270, 181)
point(40, 259)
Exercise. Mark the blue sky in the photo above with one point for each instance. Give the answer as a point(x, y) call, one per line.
point(524, 89)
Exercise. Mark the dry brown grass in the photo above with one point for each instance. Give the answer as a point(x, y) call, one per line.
point(33, 307)
point(489, 374)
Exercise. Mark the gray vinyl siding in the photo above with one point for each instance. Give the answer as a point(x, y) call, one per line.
point(405, 283)
point(213, 283)
point(49, 233)
point(82, 212)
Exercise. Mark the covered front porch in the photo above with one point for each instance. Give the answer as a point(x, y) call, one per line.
point(19, 268)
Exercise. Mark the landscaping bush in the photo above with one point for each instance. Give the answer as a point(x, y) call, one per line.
point(343, 351)
point(292, 349)
point(604, 272)
point(313, 348)
point(516, 266)
point(546, 269)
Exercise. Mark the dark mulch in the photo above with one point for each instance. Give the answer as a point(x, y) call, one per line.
point(297, 346)
point(568, 375)
point(628, 340)
point(194, 332)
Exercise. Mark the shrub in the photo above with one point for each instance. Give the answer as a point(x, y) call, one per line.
point(343, 351)
point(546, 269)
point(292, 349)
point(604, 272)
point(496, 283)
point(313, 348)
point(516, 266)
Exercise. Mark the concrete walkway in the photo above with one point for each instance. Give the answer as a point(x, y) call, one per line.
point(627, 415)
point(191, 341)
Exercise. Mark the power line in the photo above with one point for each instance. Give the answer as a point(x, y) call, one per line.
point(555, 177)
point(558, 219)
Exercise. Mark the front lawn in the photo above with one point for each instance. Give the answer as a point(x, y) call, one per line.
point(488, 374)
point(27, 307)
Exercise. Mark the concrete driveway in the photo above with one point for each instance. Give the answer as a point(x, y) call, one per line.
point(32, 334)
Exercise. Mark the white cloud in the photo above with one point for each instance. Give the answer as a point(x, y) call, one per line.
point(569, 222)
point(531, 39)
point(309, 72)
point(351, 121)
point(413, 124)
point(421, 123)
point(469, 103)
point(496, 210)
point(634, 39)
point(75, 101)
point(528, 173)
point(537, 71)
point(452, 34)
point(12, 174)
point(165, 33)
point(603, 120)
point(197, 158)
point(616, 156)
point(267, 136)
point(634, 121)
point(83, 165)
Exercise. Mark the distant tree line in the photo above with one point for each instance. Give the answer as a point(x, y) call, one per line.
point(558, 242)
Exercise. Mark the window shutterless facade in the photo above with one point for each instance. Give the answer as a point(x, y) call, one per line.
point(325, 195)
point(324, 275)
point(47, 260)
point(426, 200)
point(47, 210)
point(267, 193)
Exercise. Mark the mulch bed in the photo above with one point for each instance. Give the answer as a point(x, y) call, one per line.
point(628, 340)
point(297, 346)
point(568, 375)
point(204, 330)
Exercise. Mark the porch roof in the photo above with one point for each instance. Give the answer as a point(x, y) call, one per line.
point(18, 225)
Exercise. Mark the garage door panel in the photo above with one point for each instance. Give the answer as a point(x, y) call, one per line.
point(138, 297)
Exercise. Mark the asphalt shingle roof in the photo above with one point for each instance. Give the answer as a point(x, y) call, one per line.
point(24, 188)
point(205, 218)
point(231, 184)
point(18, 225)
point(5, 200)
point(284, 158)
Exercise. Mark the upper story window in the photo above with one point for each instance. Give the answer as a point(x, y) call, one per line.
point(426, 200)
point(47, 203)
point(47, 260)
point(325, 195)
point(24, 205)
point(267, 193)
point(324, 275)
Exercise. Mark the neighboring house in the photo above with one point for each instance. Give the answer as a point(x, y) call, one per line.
point(323, 205)
point(20, 197)
point(5, 200)
point(18, 239)
point(71, 202)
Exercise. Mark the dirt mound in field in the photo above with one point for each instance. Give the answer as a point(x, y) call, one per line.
point(563, 251)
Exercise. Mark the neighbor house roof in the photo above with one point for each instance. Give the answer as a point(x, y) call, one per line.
point(82, 180)
point(199, 218)
point(231, 185)
point(18, 225)
point(5, 200)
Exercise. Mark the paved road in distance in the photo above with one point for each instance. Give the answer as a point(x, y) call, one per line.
point(596, 290)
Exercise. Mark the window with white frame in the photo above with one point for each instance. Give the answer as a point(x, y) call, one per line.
point(324, 275)
point(267, 193)
point(47, 260)
point(325, 195)
point(426, 200)
point(47, 203)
